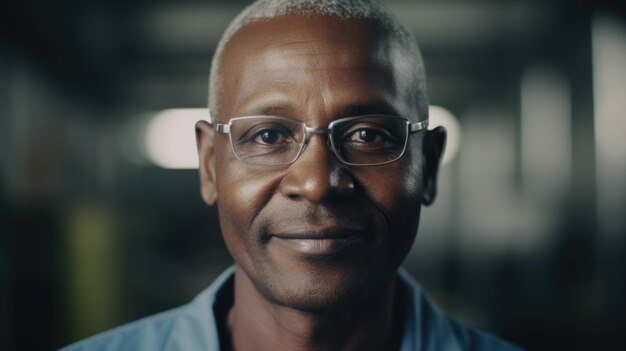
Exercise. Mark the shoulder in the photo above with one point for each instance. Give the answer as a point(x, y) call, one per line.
point(427, 328)
point(150, 333)
point(190, 327)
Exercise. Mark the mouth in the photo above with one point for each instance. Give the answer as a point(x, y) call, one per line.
point(320, 242)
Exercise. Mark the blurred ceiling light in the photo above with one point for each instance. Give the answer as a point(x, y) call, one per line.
point(439, 116)
point(608, 36)
point(170, 139)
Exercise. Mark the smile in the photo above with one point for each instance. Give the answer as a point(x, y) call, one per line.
point(321, 243)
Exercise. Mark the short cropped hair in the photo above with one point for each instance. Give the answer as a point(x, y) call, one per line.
point(344, 9)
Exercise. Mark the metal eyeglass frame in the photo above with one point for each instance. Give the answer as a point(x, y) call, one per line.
point(411, 128)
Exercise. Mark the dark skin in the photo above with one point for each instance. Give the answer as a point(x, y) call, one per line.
point(296, 288)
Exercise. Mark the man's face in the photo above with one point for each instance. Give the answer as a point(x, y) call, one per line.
point(316, 234)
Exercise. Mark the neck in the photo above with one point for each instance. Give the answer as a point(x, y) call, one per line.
point(258, 324)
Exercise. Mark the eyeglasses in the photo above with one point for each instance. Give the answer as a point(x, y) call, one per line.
point(357, 141)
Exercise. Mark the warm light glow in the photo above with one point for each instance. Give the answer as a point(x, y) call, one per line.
point(170, 139)
point(439, 116)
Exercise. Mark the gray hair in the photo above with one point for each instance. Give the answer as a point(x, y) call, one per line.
point(344, 9)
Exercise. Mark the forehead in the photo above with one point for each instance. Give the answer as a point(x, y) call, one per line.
point(323, 60)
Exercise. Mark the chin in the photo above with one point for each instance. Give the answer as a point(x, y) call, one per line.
point(322, 289)
point(315, 297)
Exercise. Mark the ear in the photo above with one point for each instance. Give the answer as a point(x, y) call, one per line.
point(433, 148)
point(206, 152)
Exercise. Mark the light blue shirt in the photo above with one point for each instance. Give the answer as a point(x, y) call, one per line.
point(194, 327)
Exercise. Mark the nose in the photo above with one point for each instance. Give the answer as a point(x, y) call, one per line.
point(317, 175)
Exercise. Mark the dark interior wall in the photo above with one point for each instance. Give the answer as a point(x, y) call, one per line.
point(90, 239)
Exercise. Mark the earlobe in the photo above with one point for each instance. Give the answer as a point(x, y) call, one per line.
point(206, 154)
point(433, 148)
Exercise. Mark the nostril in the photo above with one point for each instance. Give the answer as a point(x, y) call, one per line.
point(294, 196)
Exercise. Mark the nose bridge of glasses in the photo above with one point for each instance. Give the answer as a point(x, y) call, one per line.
point(321, 131)
point(313, 130)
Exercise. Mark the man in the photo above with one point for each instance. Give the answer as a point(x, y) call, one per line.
point(318, 158)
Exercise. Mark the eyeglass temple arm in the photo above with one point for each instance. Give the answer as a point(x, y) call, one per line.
point(222, 128)
point(414, 127)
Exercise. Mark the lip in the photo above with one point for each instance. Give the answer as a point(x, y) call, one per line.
point(324, 242)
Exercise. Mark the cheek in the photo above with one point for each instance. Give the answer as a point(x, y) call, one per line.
point(396, 187)
point(241, 190)
point(241, 193)
point(410, 177)
point(411, 187)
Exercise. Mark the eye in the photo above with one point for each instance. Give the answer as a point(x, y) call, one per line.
point(369, 134)
point(369, 137)
point(270, 137)
point(267, 137)
point(364, 135)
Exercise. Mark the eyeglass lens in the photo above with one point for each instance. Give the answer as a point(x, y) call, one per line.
point(366, 140)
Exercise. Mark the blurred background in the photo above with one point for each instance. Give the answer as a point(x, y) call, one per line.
point(101, 221)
